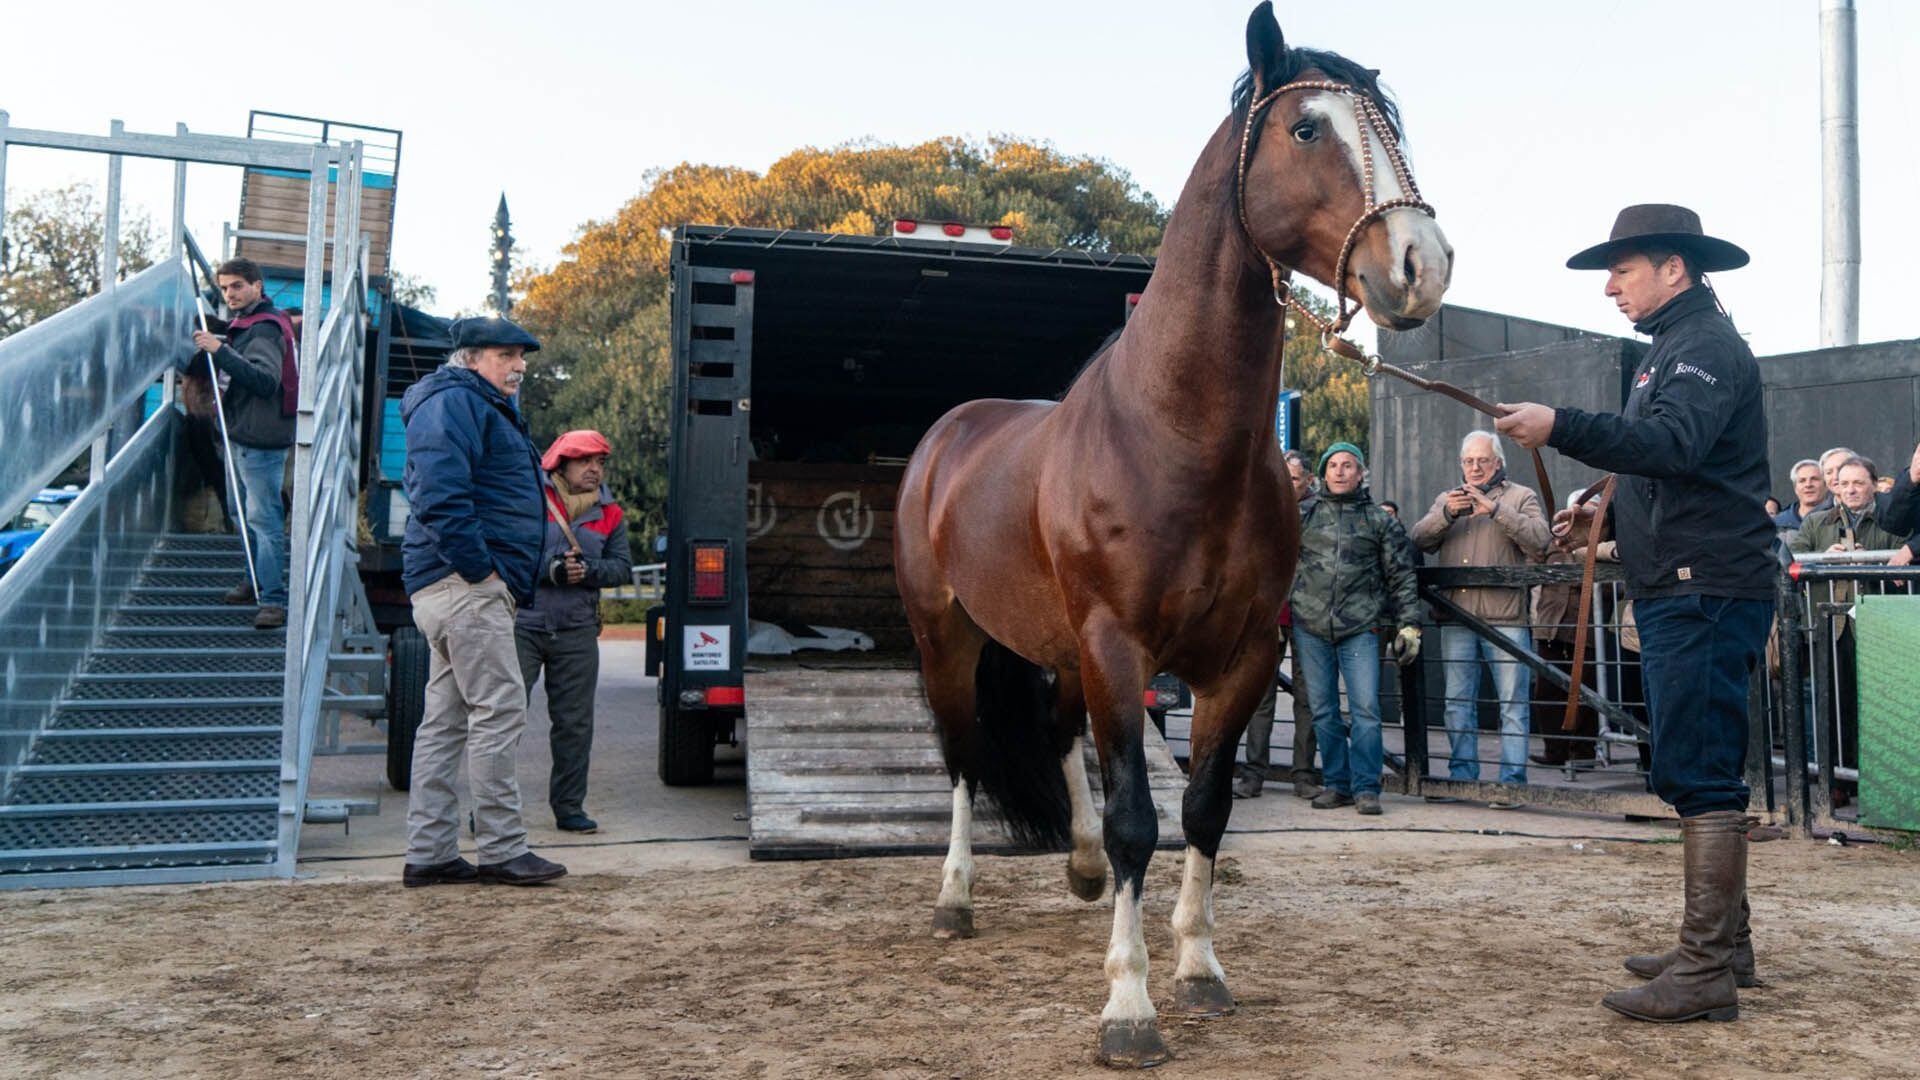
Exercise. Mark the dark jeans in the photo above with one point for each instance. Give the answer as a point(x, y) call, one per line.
point(572, 662)
point(1696, 653)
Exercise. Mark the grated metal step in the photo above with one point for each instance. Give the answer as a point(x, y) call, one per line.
point(191, 542)
point(57, 788)
point(141, 839)
point(221, 579)
point(193, 637)
point(154, 685)
point(150, 596)
point(194, 617)
point(137, 661)
point(263, 714)
point(99, 746)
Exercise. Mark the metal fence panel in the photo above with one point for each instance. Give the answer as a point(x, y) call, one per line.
point(63, 381)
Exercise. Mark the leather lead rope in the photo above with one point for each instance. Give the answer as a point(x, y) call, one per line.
point(1375, 367)
point(1580, 626)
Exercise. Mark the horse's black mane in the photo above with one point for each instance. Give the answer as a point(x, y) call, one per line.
point(1295, 62)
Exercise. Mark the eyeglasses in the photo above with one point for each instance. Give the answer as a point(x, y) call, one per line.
point(1469, 462)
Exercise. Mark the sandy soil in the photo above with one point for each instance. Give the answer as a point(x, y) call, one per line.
point(1390, 954)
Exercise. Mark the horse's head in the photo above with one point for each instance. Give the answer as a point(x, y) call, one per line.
point(1323, 187)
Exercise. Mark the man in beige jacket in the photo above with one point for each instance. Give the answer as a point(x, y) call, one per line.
point(1487, 521)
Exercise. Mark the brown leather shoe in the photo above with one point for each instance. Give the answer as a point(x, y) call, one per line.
point(239, 594)
point(270, 618)
point(455, 871)
point(1699, 984)
point(1744, 975)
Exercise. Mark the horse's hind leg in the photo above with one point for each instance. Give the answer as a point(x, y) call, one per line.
point(1087, 866)
point(1219, 717)
point(949, 655)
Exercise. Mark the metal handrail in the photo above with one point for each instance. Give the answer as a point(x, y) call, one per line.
point(322, 551)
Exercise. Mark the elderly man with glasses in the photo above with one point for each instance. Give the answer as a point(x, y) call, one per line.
point(1488, 520)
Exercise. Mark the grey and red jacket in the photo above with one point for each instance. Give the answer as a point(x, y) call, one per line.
point(602, 533)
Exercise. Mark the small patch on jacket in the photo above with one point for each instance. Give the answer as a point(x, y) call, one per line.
point(1686, 573)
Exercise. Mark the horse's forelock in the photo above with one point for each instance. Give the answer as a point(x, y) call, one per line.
point(1295, 63)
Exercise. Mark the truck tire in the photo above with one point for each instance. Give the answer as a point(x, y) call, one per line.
point(686, 747)
point(406, 702)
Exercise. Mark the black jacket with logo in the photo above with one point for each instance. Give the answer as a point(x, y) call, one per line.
point(1691, 450)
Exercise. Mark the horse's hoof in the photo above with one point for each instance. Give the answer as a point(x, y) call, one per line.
point(1087, 887)
point(1205, 998)
point(950, 923)
point(1132, 1044)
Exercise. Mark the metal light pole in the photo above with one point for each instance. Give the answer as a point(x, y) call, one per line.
point(501, 300)
point(1839, 176)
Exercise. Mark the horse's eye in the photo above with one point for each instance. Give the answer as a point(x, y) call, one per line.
point(1305, 131)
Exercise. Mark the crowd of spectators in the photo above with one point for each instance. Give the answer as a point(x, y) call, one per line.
point(1354, 602)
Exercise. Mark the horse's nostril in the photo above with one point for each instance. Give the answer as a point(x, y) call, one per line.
point(1407, 267)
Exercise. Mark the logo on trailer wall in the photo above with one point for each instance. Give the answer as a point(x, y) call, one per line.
point(845, 521)
point(707, 648)
point(762, 512)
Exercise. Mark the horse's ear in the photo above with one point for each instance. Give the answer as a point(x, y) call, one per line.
point(1265, 45)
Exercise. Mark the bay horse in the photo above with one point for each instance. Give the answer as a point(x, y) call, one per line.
point(1053, 556)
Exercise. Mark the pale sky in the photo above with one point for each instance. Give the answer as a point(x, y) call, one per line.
point(1529, 123)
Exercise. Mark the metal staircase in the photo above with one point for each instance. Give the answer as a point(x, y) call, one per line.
point(147, 732)
point(165, 749)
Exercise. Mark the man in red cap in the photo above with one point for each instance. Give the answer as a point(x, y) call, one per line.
point(585, 550)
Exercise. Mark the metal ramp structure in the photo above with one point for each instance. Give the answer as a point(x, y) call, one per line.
point(147, 732)
point(844, 762)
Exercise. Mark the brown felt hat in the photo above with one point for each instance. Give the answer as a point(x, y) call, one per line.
point(1662, 225)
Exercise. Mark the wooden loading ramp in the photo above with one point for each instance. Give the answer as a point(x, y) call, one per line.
point(844, 762)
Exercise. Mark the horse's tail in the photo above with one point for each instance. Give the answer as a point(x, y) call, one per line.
point(1014, 756)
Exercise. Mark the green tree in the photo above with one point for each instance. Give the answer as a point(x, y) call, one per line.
point(602, 312)
point(50, 253)
point(1334, 405)
point(413, 292)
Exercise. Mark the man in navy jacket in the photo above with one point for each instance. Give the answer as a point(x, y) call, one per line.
point(473, 538)
point(1697, 547)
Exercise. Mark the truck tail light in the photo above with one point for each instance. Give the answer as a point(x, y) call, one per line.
point(1133, 298)
point(726, 695)
point(741, 277)
point(954, 228)
point(710, 572)
point(905, 226)
point(1001, 232)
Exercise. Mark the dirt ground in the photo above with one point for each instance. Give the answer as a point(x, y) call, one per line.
point(1383, 955)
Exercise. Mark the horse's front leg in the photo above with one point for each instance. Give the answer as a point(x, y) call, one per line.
point(1113, 673)
point(1219, 717)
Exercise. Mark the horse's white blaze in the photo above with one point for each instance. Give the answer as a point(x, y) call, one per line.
point(1087, 857)
point(1127, 960)
point(1193, 921)
point(956, 878)
point(1410, 232)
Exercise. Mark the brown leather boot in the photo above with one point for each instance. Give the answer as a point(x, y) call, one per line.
point(1699, 984)
point(1744, 976)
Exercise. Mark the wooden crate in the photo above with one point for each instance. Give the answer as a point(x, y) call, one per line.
point(274, 203)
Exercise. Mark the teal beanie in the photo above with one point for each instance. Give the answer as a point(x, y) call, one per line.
point(1336, 448)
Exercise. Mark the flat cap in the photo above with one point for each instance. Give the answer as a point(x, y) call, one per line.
point(478, 332)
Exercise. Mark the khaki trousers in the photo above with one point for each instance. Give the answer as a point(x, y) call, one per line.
point(476, 708)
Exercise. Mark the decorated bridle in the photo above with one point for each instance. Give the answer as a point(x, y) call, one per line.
point(1372, 121)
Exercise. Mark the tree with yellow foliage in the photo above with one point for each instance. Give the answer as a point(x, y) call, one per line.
point(602, 312)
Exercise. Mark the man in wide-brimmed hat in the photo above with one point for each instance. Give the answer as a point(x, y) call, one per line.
point(1696, 543)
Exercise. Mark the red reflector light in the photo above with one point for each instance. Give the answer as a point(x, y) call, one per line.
point(741, 277)
point(1793, 571)
point(726, 695)
point(954, 229)
point(903, 225)
point(1152, 699)
point(1133, 298)
point(1001, 232)
point(710, 572)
